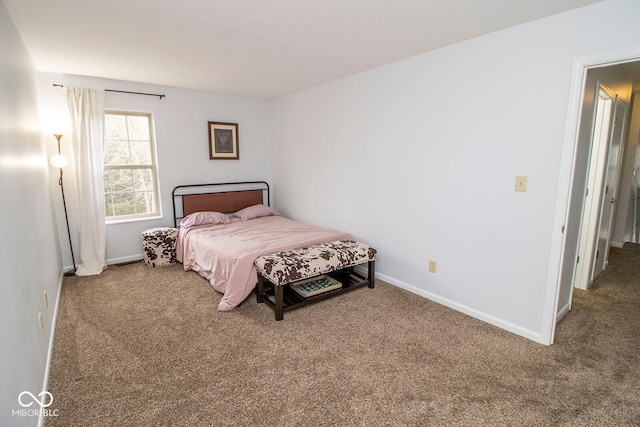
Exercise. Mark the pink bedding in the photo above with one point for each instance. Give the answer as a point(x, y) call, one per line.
point(224, 254)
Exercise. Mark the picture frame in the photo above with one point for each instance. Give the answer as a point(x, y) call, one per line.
point(223, 141)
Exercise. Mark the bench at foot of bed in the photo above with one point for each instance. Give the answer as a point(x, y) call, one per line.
point(294, 278)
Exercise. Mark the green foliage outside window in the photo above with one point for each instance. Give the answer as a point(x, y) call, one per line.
point(129, 169)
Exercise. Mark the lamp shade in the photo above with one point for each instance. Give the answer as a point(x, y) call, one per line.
point(59, 161)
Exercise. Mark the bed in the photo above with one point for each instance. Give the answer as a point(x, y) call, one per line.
point(224, 252)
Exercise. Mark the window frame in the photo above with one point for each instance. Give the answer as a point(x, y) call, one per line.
point(118, 219)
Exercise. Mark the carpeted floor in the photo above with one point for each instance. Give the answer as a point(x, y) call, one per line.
point(138, 346)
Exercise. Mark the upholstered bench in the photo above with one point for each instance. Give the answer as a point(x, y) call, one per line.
point(337, 259)
point(159, 246)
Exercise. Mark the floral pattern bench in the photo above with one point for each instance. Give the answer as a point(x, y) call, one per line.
point(287, 267)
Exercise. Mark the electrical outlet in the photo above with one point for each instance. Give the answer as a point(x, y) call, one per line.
point(432, 266)
point(41, 322)
point(46, 300)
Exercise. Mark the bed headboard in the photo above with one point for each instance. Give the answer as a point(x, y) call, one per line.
point(224, 197)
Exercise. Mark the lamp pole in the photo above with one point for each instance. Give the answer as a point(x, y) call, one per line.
point(66, 216)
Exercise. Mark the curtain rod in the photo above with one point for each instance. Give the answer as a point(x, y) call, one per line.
point(125, 91)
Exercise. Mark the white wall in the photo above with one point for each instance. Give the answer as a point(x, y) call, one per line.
point(419, 159)
point(182, 145)
point(30, 263)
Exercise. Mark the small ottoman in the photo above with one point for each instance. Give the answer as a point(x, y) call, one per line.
point(159, 246)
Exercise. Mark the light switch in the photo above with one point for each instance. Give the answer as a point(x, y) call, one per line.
point(521, 183)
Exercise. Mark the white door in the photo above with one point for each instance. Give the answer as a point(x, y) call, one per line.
point(610, 195)
point(600, 128)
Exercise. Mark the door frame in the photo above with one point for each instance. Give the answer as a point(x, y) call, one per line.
point(555, 280)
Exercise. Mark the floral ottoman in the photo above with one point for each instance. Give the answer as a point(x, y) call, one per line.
point(159, 246)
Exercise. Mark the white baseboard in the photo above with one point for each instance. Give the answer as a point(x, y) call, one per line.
point(500, 323)
point(111, 261)
point(564, 310)
point(54, 321)
point(125, 259)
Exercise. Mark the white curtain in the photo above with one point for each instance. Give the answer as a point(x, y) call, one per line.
point(86, 109)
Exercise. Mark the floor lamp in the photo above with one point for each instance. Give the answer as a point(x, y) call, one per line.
point(60, 162)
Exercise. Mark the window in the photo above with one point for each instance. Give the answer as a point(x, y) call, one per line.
point(130, 178)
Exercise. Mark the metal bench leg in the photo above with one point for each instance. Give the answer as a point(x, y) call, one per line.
point(279, 301)
point(371, 274)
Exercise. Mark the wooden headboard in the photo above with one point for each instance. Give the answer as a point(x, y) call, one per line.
point(225, 197)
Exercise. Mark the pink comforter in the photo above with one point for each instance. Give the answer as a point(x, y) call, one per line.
point(224, 254)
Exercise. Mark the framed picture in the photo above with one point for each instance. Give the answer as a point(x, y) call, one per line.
point(223, 141)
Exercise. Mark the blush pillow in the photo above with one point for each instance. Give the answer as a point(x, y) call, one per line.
point(256, 211)
point(201, 218)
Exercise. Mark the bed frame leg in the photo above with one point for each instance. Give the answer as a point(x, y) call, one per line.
point(278, 293)
point(371, 274)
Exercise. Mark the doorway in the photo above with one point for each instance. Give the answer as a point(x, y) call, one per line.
point(612, 174)
point(574, 174)
point(602, 185)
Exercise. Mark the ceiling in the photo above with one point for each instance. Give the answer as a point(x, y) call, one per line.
point(255, 48)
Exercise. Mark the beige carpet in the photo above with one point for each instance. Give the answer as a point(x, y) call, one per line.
point(138, 346)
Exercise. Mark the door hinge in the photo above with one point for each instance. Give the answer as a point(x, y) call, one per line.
point(587, 195)
point(562, 231)
point(578, 261)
